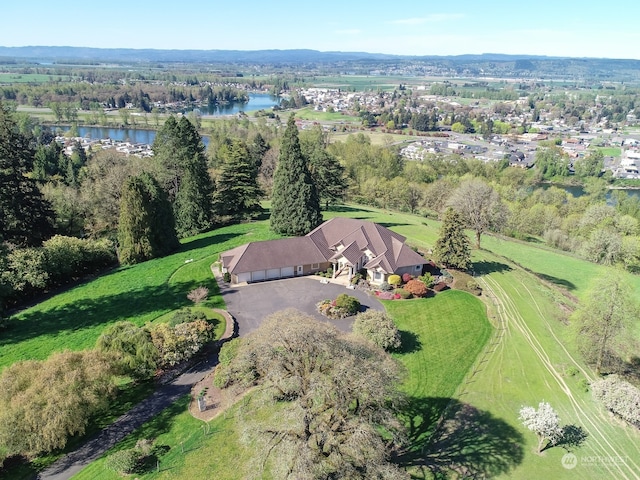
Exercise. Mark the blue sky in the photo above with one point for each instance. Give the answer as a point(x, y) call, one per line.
point(579, 28)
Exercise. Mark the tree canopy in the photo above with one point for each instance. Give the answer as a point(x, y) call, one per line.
point(323, 400)
point(452, 247)
point(295, 207)
point(147, 228)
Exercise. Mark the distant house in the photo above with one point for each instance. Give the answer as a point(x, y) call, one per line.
point(344, 244)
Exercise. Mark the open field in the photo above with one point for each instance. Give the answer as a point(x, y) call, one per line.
point(363, 82)
point(311, 114)
point(9, 78)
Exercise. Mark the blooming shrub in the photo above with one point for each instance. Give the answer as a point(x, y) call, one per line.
point(343, 306)
point(406, 277)
point(385, 295)
point(404, 294)
point(620, 397)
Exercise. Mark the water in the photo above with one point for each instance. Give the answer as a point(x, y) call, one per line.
point(578, 191)
point(257, 101)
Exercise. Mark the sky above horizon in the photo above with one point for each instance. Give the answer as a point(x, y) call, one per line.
point(413, 27)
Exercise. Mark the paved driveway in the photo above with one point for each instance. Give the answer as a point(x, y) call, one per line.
point(249, 304)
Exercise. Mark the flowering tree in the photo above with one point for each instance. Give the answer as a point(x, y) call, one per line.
point(544, 422)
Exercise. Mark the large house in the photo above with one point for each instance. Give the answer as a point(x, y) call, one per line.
point(345, 245)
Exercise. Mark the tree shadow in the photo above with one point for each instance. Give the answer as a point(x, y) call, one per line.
point(486, 267)
point(461, 442)
point(573, 436)
point(391, 224)
point(345, 209)
point(207, 241)
point(409, 342)
point(561, 282)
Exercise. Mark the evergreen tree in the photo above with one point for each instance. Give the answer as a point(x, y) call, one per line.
point(295, 207)
point(25, 216)
point(147, 226)
point(193, 203)
point(179, 152)
point(452, 247)
point(237, 192)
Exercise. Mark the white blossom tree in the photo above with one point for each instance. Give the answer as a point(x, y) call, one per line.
point(544, 422)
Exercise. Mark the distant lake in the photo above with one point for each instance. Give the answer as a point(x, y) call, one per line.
point(578, 191)
point(257, 101)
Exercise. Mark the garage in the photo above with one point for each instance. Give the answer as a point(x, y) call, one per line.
point(258, 275)
point(244, 277)
point(273, 273)
point(287, 271)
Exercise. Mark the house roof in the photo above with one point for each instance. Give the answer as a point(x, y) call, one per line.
point(338, 237)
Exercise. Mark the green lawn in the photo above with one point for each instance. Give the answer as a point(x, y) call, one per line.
point(311, 114)
point(74, 319)
point(527, 361)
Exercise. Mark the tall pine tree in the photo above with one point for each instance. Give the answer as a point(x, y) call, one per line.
point(26, 218)
point(295, 206)
point(147, 227)
point(179, 152)
point(237, 192)
point(452, 247)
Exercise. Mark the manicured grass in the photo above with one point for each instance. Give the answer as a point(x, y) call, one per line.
point(611, 151)
point(442, 336)
point(192, 449)
point(30, 78)
point(74, 319)
point(311, 114)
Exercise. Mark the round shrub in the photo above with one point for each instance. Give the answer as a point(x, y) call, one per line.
point(416, 288)
point(378, 328)
point(123, 461)
point(394, 280)
point(385, 287)
point(349, 304)
point(406, 277)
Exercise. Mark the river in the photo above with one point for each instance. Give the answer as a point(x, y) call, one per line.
point(257, 101)
point(578, 191)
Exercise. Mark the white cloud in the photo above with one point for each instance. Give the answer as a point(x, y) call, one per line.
point(431, 18)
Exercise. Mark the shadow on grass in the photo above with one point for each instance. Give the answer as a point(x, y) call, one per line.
point(556, 281)
point(485, 267)
point(89, 312)
point(392, 224)
point(467, 442)
point(409, 342)
point(208, 241)
point(573, 436)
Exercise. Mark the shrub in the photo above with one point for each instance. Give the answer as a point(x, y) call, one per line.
point(226, 276)
point(198, 295)
point(417, 288)
point(123, 461)
point(385, 295)
point(404, 294)
point(427, 279)
point(348, 303)
point(473, 285)
point(378, 328)
point(385, 287)
point(186, 315)
point(440, 286)
point(406, 277)
point(394, 280)
point(619, 397)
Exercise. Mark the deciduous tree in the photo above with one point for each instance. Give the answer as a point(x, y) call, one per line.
point(604, 318)
point(479, 205)
point(544, 422)
point(321, 403)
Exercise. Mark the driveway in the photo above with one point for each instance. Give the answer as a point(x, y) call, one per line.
point(249, 304)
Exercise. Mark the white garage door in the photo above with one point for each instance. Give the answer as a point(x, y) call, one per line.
point(244, 277)
point(258, 275)
point(273, 273)
point(287, 271)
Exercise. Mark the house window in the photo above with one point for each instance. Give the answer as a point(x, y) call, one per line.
point(418, 267)
point(315, 265)
point(377, 276)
